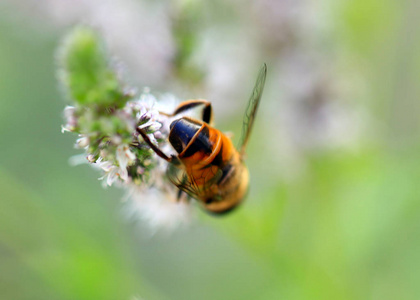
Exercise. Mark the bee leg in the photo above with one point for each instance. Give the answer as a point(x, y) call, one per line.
point(181, 197)
point(207, 115)
point(154, 147)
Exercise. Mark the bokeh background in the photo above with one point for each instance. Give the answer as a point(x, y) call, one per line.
point(334, 206)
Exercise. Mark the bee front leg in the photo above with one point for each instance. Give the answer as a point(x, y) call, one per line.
point(154, 147)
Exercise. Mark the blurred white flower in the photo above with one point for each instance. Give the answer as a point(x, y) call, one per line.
point(280, 20)
point(131, 164)
point(82, 142)
point(158, 208)
point(71, 119)
point(124, 156)
point(112, 172)
point(130, 29)
point(78, 159)
point(314, 111)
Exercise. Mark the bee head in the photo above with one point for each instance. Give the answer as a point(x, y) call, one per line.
point(182, 131)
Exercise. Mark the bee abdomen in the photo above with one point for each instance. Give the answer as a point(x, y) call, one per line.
point(227, 172)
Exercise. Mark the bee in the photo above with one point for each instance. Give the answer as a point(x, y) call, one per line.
point(208, 167)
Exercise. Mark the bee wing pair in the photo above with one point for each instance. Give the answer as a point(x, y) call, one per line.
point(182, 181)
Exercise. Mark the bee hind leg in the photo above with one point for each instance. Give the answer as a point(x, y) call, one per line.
point(207, 115)
point(181, 197)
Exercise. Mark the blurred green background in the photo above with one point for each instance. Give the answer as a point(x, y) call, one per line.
point(334, 207)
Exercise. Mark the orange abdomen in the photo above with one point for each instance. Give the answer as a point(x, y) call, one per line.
point(212, 151)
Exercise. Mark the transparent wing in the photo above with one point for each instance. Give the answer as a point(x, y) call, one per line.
point(188, 185)
point(252, 109)
point(181, 180)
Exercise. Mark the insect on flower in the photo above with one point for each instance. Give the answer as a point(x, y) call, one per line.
point(208, 167)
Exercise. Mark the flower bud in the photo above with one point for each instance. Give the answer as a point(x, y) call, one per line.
point(82, 142)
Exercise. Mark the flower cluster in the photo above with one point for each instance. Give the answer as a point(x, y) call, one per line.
point(113, 145)
point(112, 142)
point(107, 117)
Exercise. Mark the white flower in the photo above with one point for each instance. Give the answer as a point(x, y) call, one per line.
point(158, 135)
point(151, 137)
point(65, 129)
point(152, 198)
point(148, 120)
point(124, 156)
point(116, 140)
point(71, 119)
point(82, 142)
point(113, 172)
point(147, 116)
